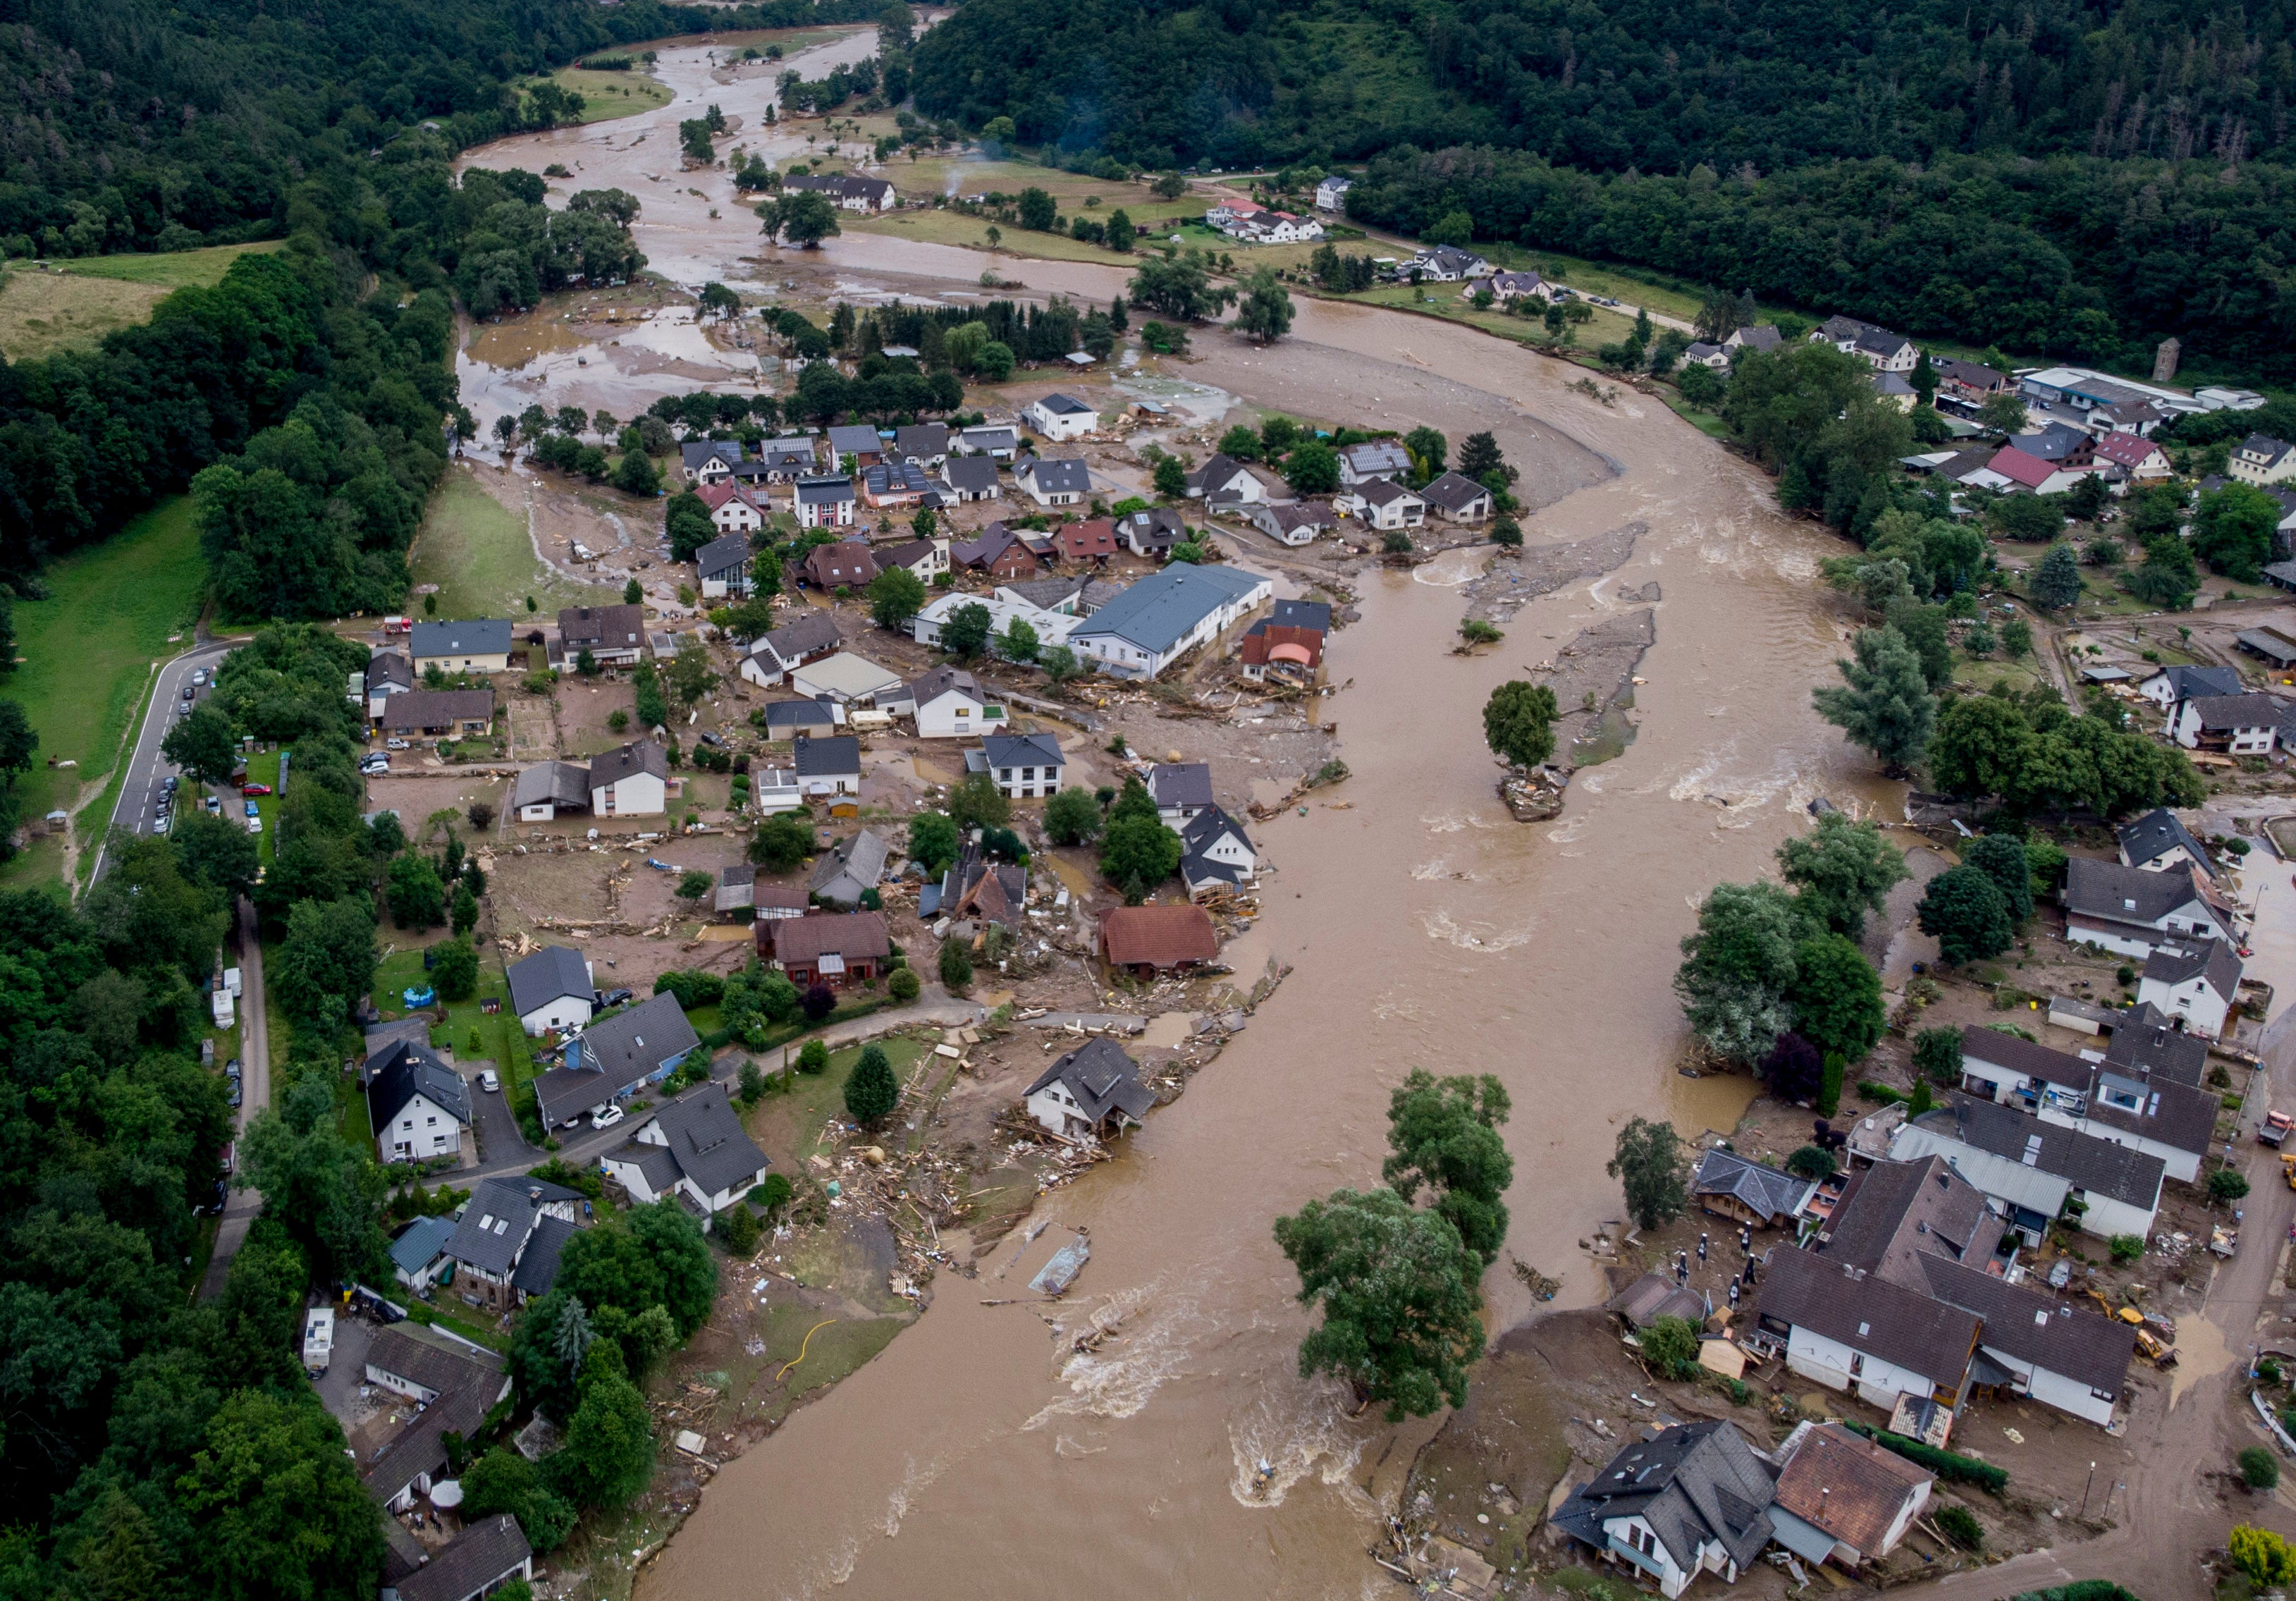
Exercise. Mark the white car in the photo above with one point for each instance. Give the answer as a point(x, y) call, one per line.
point(489, 1082)
point(606, 1117)
point(255, 825)
point(396, 743)
point(377, 763)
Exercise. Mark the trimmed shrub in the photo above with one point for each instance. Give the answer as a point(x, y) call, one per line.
point(1960, 1525)
point(1945, 1465)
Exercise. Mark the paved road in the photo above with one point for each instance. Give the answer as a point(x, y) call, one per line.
point(255, 1086)
point(147, 768)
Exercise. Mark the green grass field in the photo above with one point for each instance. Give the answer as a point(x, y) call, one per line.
point(607, 95)
point(87, 658)
point(478, 554)
point(75, 303)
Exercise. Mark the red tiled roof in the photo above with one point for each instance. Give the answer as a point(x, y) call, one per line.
point(1096, 538)
point(2125, 449)
point(1849, 1487)
point(2015, 466)
point(1158, 936)
point(850, 934)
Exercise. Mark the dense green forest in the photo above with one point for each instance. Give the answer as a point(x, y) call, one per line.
point(2078, 179)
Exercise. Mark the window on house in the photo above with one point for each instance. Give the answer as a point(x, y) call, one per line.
point(1856, 1364)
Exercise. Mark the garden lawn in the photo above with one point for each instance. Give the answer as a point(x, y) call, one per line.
point(501, 1040)
point(76, 303)
point(114, 611)
point(790, 1127)
point(477, 551)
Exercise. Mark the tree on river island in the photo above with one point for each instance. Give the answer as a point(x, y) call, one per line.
point(1519, 722)
point(1444, 1136)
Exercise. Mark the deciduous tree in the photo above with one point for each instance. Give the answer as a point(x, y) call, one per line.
point(1841, 870)
point(1519, 722)
point(1963, 909)
point(1443, 1137)
point(1650, 1166)
point(1883, 703)
point(1737, 969)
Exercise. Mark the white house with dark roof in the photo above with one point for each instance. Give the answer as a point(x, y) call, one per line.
point(1225, 478)
point(828, 767)
point(1166, 615)
point(694, 1148)
point(387, 674)
point(1887, 352)
point(2133, 913)
point(1181, 790)
point(486, 1555)
point(1092, 1092)
point(1373, 458)
point(2194, 981)
point(923, 443)
point(1023, 766)
point(723, 567)
point(1456, 497)
point(951, 704)
point(999, 442)
point(630, 781)
point(2170, 687)
point(1216, 854)
point(826, 501)
point(848, 870)
point(2031, 1169)
point(547, 788)
point(1331, 193)
point(498, 1229)
point(2260, 459)
point(1061, 481)
point(1383, 504)
point(971, 477)
point(808, 638)
point(479, 645)
point(613, 1056)
point(1061, 417)
point(1694, 1499)
point(708, 461)
point(552, 990)
point(2158, 842)
point(418, 1106)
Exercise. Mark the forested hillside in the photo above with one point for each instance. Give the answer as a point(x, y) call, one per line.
point(2075, 178)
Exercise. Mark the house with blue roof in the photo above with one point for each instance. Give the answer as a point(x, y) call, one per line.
point(1166, 615)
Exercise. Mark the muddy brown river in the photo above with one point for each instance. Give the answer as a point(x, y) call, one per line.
point(976, 1457)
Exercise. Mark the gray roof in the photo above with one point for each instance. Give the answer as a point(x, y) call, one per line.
point(1216, 473)
point(2082, 1345)
point(1655, 1295)
point(388, 667)
point(1181, 783)
point(1383, 455)
point(1695, 1485)
point(405, 1071)
point(970, 472)
point(1022, 750)
point(481, 1555)
point(1301, 614)
point(2155, 834)
point(1380, 491)
point(1897, 1211)
point(537, 1269)
point(1905, 1328)
point(835, 757)
point(922, 439)
point(1063, 475)
point(1158, 610)
point(823, 491)
point(2024, 1057)
point(814, 631)
point(418, 709)
point(848, 867)
point(728, 554)
point(931, 685)
point(2267, 643)
point(2118, 894)
point(631, 1045)
point(550, 972)
point(897, 478)
point(419, 1243)
point(1203, 831)
point(559, 783)
point(2182, 1117)
point(2146, 1045)
point(992, 436)
point(1454, 491)
point(479, 636)
point(1101, 1078)
point(707, 1140)
point(693, 453)
point(853, 439)
point(601, 627)
point(1158, 527)
point(624, 761)
point(2118, 1172)
point(2239, 712)
point(1063, 405)
point(497, 1219)
point(655, 1162)
point(798, 714)
point(1764, 1190)
point(2185, 682)
point(2211, 960)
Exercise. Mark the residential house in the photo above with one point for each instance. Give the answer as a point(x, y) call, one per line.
point(2194, 982)
point(999, 552)
point(2146, 1044)
point(968, 478)
point(835, 949)
point(1373, 458)
point(1284, 650)
point(630, 781)
point(1890, 388)
point(2139, 417)
point(1842, 1498)
point(1728, 1185)
point(2001, 1066)
point(1762, 336)
point(2013, 471)
point(1444, 264)
point(823, 502)
point(897, 486)
point(1294, 523)
point(924, 443)
point(774, 789)
point(387, 674)
point(418, 1106)
point(1655, 1295)
point(1062, 483)
point(951, 704)
point(807, 719)
point(926, 558)
point(1223, 477)
point(454, 1384)
point(498, 1228)
point(2132, 912)
point(1509, 287)
point(847, 564)
point(2260, 459)
point(724, 566)
point(735, 508)
point(486, 1556)
point(1070, 594)
point(1004, 610)
point(1164, 616)
point(1383, 504)
point(1331, 193)
point(975, 889)
point(1060, 418)
point(479, 646)
point(1848, 1328)
point(695, 1148)
point(2061, 444)
point(551, 991)
point(2134, 456)
point(848, 191)
point(708, 461)
point(1152, 939)
point(779, 461)
point(449, 712)
point(613, 1056)
point(2238, 724)
point(1970, 380)
point(857, 442)
point(1701, 353)
point(737, 888)
point(1090, 1093)
point(547, 788)
point(2031, 1344)
point(418, 1253)
point(614, 636)
point(1024, 766)
point(847, 679)
point(1217, 856)
point(999, 442)
point(1457, 499)
point(1181, 790)
point(1888, 352)
point(828, 767)
point(2158, 844)
point(1259, 224)
point(811, 637)
point(1151, 533)
point(2110, 1101)
point(2037, 1172)
point(2170, 687)
point(848, 870)
point(1694, 1499)
point(1093, 541)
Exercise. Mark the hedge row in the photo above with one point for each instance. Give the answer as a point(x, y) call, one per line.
point(1945, 1465)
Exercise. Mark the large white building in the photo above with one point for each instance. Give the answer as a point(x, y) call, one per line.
point(1166, 615)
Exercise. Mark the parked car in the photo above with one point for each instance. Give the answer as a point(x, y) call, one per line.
point(606, 1117)
point(254, 789)
point(612, 998)
point(232, 1098)
point(231, 1068)
point(376, 763)
point(253, 810)
point(489, 1080)
point(395, 744)
point(159, 825)
point(214, 804)
point(170, 783)
point(199, 677)
point(254, 825)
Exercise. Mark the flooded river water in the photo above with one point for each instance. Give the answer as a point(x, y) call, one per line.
point(977, 1456)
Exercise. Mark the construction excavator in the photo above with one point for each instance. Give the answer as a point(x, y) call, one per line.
point(2157, 1350)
